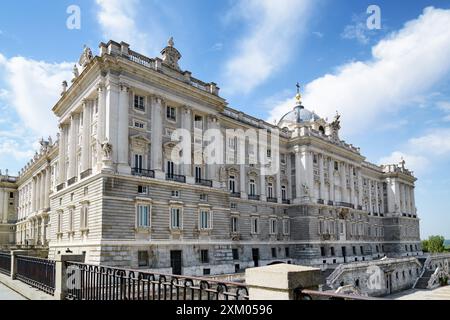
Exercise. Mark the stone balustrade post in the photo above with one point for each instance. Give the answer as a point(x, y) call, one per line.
point(280, 281)
point(61, 273)
point(14, 254)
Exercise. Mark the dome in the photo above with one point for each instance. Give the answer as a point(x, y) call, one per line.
point(299, 115)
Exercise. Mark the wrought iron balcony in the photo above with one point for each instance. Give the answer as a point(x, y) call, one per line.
point(345, 204)
point(175, 177)
point(143, 172)
point(286, 201)
point(330, 203)
point(86, 174)
point(203, 182)
point(360, 208)
point(253, 197)
point(60, 186)
point(320, 201)
point(235, 194)
point(71, 181)
point(273, 200)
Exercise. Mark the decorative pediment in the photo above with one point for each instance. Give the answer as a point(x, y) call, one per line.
point(140, 137)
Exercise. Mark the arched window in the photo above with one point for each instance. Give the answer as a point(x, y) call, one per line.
point(322, 130)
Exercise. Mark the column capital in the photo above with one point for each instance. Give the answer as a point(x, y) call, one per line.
point(124, 86)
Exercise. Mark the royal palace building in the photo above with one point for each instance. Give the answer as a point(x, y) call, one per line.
point(112, 185)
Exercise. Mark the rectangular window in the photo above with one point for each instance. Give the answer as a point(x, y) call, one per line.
point(203, 197)
point(198, 174)
point(322, 251)
point(142, 258)
point(332, 251)
point(274, 252)
point(270, 190)
point(336, 166)
point(205, 219)
point(233, 206)
point(175, 194)
point(171, 113)
point(143, 216)
point(142, 190)
point(11, 195)
point(170, 168)
point(139, 103)
point(283, 193)
point(234, 224)
point(138, 162)
point(206, 272)
point(273, 226)
point(204, 256)
point(71, 219)
point(255, 225)
point(362, 250)
point(175, 218)
point(354, 250)
point(60, 222)
point(139, 124)
point(84, 217)
point(198, 122)
point(235, 254)
point(286, 252)
point(232, 184)
point(286, 227)
point(252, 188)
point(269, 153)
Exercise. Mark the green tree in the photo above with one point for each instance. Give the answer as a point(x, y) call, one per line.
point(425, 244)
point(435, 244)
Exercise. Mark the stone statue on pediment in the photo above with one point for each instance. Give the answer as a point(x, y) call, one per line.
point(75, 72)
point(64, 87)
point(86, 57)
point(305, 189)
point(335, 127)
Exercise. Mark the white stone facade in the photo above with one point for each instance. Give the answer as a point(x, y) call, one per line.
point(108, 186)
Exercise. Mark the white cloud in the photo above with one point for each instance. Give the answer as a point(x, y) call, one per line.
point(318, 34)
point(33, 89)
point(420, 152)
point(356, 31)
point(404, 65)
point(273, 30)
point(117, 20)
point(11, 148)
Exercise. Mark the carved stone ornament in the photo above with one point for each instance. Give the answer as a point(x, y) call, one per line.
point(86, 57)
point(107, 150)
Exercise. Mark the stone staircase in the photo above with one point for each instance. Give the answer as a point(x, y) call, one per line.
point(325, 274)
point(422, 283)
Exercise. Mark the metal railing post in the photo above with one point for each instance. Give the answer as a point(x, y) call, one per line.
point(14, 254)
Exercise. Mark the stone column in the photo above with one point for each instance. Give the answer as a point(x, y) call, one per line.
point(43, 181)
point(157, 128)
point(33, 192)
point(123, 144)
point(47, 187)
point(397, 195)
point(331, 178)
point(407, 199)
point(243, 181)
point(322, 177)
point(289, 176)
point(186, 124)
point(377, 209)
point(360, 188)
point(403, 193)
point(370, 196)
point(278, 182)
point(213, 169)
point(298, 176)
point(73, 142)
point(413, 201)
point(352, 186)
point(262, 183)
point(86, 148)
point(5, 205)
point(343, 183)
point(112, 120)
point(101, 118)
point(309, 173)
point(38, 192)
point(62, 154)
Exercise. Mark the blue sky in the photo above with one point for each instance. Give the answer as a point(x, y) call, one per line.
point(391, 86)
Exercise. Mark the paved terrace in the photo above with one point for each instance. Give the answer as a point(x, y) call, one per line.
point(441, 293)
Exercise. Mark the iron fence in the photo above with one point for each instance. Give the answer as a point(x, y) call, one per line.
point(36, 272)
point(5, 263)
point(326, 295)
point(89, 282)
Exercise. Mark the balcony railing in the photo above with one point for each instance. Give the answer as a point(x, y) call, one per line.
point(61, 186)
point(109, 283)
point(345, 204)
point(360, 208)
point(286, 201)
point(71, 181)
point(203, 182)
point(176, 178)
point(5, 263)
point(86, 174)
point(273, 200)
point(36, 272)
point(330, 203)
point(235, 194)
point(253, 197)
point(143, 173)
point(320, 201)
